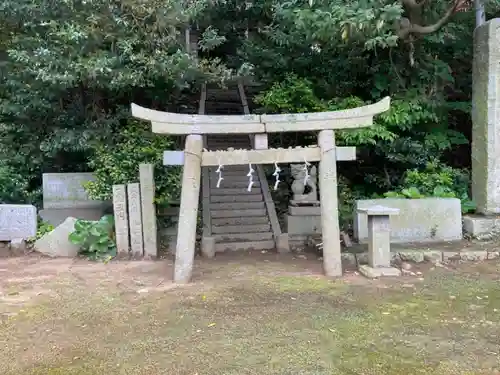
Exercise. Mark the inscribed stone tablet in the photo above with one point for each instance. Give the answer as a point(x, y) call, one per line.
point(17, 221)
point(65, 190)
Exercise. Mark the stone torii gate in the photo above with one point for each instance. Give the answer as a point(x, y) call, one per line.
point(195, 157)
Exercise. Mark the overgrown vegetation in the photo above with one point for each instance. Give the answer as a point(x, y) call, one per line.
point(70, 70)
point(96, 239)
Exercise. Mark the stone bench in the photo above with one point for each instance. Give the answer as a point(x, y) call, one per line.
point(379, 242)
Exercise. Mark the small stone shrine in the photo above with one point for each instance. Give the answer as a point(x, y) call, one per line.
point(304, 212)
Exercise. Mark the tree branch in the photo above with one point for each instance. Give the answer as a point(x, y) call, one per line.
point(411, 25)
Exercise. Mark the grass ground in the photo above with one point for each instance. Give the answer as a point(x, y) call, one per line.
point(260, 314)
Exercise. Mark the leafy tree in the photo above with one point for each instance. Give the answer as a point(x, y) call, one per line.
point(69, 70)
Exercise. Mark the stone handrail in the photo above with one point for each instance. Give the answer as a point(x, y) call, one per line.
point(268, 199)
point(205, 203)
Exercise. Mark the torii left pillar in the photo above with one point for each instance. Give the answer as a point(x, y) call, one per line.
point(188, 215)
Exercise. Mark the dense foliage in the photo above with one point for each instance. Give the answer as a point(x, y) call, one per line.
point(69, 70)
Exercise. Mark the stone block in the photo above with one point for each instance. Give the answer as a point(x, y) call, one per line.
point(282, 243)
point(419, 220)
point(485, 148)
point(304, 210)
point(434, 256)
point(65, 190)
point(416, 256)
point(473, 255)
point(17, 246)
point(17, 221)
point(379, 241)
point(56, 216)
point(481, 225)
point(121, 219)
point(374, 272)
point(208, 246)
point(56, 242)
point(135, 219)
point(303, 225)
point(261, 142)
point(148, 209)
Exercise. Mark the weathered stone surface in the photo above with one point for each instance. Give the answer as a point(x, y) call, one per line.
point(419, 220)
point(56, 242)
point(374, 272)
point(379, 241)
point(416, 256)
point(149, 230)
point(135, 219)
point(304, 210)
point(434, 256)
point(121, 219)
point(493, 255)
point(208, 247)
point(451, 256)
point(485, 115)
point(282, 243)
point(56, 216)
point(481, 225)
point(332, 263)
point(17, 221)
point(191, 181)
point(473, 255)
point(17, 246)
point(65, 190)
point(303, 225)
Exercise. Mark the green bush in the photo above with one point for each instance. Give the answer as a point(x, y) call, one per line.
point(96, 239)
point(117, 162)
point(438, 181)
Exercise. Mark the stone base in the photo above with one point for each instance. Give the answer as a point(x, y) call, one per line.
point(208, 246)
point(304, 203)
point(372, 272)
point(481, 225)
point(303, 225)
point(282, 244)
point(304, 210)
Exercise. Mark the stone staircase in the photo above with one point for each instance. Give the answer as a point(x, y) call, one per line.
point(238, 218)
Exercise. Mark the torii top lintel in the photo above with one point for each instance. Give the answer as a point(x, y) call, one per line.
point(182, 124)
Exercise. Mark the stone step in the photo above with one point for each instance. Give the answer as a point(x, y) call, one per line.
point(242, 237)
point(236, 198)
point(236, 205)
point(235, 213)
point(233, 184)
point(240, 220)
point(238, 191)
point(234, 173)
point(253, 245)
point(214, 177)
point(252, 228)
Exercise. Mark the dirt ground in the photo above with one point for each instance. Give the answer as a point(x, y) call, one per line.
point(245, 314)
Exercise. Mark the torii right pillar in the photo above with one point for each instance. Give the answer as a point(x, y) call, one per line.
point(332, 261)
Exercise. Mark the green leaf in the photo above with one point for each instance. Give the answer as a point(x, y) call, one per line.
point(76, 238)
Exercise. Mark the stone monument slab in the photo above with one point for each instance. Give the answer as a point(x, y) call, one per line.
point(121, 218)
point(135, 219)
point(486, 118)
point(149, 230)
point(17, 221)
point(419, 220)
point(65, 190)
